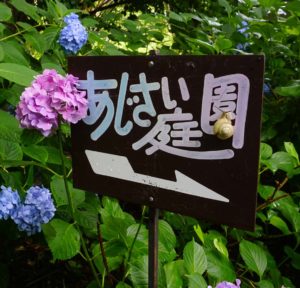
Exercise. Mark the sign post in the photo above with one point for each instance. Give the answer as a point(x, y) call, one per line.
point(153, 247)
point(179, 133)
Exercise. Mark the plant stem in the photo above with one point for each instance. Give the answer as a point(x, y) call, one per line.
point(134, 239)
point(62, 156)
point(100, 240)
point(22, 31)
point(71, 206)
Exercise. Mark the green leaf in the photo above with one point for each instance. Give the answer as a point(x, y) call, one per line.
point(36, 152)
point(290, 91)
point(112, 262)
point(59, 192)
point(194, 258)
point(174, 273)
point(54, 155)
point(30, 137)
point(142, 235)
point(36, 44)
point(112, 208)
point(111, 49)
point(50, 65)
point(115, 247)
point(11, 123)
point(199, 232)
point(294, 7)
point(176, 17)
point(141, 243)
point(61, 8)
point(1, 53)
point(219, 267)
point(139, 272)
point(10, 148)
point(12, 94)
point(28, 9)
point(14, 53)
point(27, 27)
point(290, 148)
point(115, 228)
point(254, 257)
point(265, 151)
point(282, 161)
point(166, 235)
point(265, 284)
point(220, 246)
point(86, 217)
point(196, 280)
point(122, 285)
point(63, 239)
point(17, 73)
point(226, 5)
point(89, 22)
point(5, 12)
point(279, 224)
point(265, 191)
point(49, 35)
point(223, 43)
point(165, 255)
point(294, 256)
point(289, 210)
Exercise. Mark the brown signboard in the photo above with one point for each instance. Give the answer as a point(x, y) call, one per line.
point(179, 133)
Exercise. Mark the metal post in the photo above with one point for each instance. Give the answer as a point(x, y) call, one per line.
point(153, 248)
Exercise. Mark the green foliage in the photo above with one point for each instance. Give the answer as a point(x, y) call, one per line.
point(191, 253)
point(63, 239)
point(254, 257)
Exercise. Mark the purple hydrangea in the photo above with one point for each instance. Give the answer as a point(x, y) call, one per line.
point(38, 209)
point(73, 36)
point(9, 202)
point(225, 284)
point(51, 95)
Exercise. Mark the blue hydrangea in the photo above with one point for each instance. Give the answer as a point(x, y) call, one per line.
point(9, 202)
point(70, 18)
point(40, 197)
point(243, 28)
point(38, 209)
point(267, 88)
point(27, 218)
point(74, 35)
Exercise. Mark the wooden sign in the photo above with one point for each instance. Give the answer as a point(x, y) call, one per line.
point(153, 134)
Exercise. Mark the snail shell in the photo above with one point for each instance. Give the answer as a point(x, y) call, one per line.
point(223, 128)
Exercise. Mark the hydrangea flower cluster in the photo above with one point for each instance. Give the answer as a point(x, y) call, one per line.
point(74, 35)
point(50, 96)
point(225, 284)
point(9, 201)
point(243, 29)
point(37, 209)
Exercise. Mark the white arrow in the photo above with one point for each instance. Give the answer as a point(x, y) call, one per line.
point(116, 166)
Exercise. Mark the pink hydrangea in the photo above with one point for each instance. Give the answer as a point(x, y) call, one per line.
point(225, 284)
point(49, 97)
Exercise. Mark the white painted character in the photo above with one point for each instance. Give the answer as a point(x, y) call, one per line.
point(173, 131)
point(98, 102)
point(228, 93)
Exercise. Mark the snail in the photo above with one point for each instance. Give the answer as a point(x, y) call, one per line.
point(223, 128)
